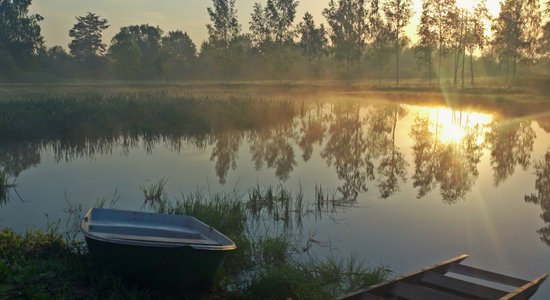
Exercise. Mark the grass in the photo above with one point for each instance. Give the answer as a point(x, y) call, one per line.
point(276, 264)
point(6, 188)
point(148, 115)
point(47, 264)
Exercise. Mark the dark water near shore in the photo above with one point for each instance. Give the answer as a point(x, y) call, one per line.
point(410, 185)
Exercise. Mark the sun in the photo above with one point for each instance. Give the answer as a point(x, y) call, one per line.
point(492, 5)
point(451, 126)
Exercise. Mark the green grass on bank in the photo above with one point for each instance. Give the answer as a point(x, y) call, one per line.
point(529, 89)
point(47, 264)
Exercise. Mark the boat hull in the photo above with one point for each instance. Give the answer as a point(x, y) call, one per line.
point(170, 268)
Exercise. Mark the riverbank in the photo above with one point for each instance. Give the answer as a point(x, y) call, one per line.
point(533, 89)
point(53, 264)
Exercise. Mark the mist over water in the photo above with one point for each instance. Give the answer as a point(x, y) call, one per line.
point(406, 185)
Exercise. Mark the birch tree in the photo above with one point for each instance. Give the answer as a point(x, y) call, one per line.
point(428, 37)
point(516, 32)
point(223, 32)
point(347, 20)
point(398, 14)
point(313, 42)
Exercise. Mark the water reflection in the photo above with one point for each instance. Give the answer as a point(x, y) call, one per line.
point(450, 163)
point(345, 150)
point(511, 144)
point(371, 148)
point(312, 131)
point(18, 156)
point(392, 167)
point(273, 147)
point(225, 152)
point(542, 196)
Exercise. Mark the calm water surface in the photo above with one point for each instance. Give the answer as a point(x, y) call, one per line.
point(409, 185)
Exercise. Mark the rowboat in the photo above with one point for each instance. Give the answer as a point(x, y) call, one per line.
point(159, 250)
point(450, 280)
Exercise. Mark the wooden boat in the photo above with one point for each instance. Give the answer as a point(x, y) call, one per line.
point(159, 250)
point(450, 280)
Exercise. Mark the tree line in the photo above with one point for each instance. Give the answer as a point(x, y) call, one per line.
point(360, 39)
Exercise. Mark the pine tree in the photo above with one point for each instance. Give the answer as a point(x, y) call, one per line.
point(86, 37)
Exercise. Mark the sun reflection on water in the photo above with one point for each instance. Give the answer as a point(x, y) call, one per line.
point(451, 126)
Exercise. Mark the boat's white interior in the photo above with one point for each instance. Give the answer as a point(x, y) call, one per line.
point(147, 227)
point(165, 232)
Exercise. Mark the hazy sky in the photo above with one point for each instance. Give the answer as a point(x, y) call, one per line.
point(185, 15)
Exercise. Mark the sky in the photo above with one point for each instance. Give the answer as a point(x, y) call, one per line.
point(186, 15)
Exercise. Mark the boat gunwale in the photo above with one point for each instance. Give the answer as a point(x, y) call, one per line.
point(230, 245)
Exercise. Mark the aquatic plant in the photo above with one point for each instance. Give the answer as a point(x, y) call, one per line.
point(6, 187)
point(155, 194)
point(270, 264)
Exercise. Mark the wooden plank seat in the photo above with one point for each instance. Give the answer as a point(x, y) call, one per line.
point(432, 283)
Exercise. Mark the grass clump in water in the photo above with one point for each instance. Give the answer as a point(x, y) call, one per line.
point(49, 265)
point(271, 266)
point(5, 187)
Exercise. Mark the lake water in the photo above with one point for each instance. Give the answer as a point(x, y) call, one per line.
point(411, 185)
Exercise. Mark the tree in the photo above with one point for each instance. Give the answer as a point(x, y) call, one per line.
point(313, 41)
point(86, 41)
point(179, 52)
point(20, 35)
point(441, 24)
point(475, 33)
point(398, 14)
point(516, 32)
point(260, 33)
point(459, 19)
point(125, 55)
point(349, 28)
point(380, 38)
point(545, 41)
point(57, 61)
point(223, 32)
point(427, 35)
point(147, 39)
point(280, 15)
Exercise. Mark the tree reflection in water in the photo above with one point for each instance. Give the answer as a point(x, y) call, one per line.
point(312, 131)
point(359, 140)
point(225, 152)
point(392, 165)
point(18, 156)
point(542, 196)
point(345, 150)
point(511, 144)
point(451, 165)
point(273, 147)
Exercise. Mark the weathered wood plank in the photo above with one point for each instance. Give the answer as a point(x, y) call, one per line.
point(487, 275)
point(417, 292)
point(527, 290)
point(367, 296)
point(468, 288)
point(440, 268)
point(356, 295)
